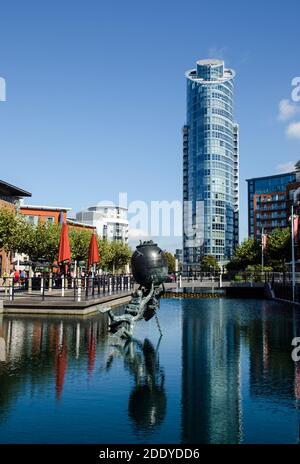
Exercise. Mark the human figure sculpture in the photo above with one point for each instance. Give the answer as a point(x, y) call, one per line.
point(149, 267)
point(143, 305)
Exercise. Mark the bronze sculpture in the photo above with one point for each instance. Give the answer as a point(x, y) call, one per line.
point(149, 269)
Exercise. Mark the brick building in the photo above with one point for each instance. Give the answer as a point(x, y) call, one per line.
point(10, 197)
point(53, 215)
point(47, 214)
point(270, 200)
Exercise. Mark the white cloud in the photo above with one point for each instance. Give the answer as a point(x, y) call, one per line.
point(285, 167)
point(287, 110)
point(135, 234)
point(217, 52)
point(293, 130)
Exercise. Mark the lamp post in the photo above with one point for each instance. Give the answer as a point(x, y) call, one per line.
point(293, 255)
point(262, 249)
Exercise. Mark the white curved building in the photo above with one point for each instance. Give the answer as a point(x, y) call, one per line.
point(111, 221)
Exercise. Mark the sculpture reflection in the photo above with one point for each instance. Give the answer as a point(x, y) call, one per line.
point(147, 401)
point(2, 342)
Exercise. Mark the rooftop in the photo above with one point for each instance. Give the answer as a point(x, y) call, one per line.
point(46, 208)
point(274, 176)
point(210, 62)
point(12, 191)
point(79, 224)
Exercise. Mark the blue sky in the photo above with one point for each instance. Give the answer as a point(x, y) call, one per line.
point(96, 93)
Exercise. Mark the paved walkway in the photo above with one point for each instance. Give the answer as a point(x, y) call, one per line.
point(61, 305)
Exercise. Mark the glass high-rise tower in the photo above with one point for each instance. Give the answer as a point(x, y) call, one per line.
point(210, 165)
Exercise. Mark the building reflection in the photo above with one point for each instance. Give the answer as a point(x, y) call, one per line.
point(147, 401)
point(273, 374)
point(2, 341)
point(211, 377)
point(39, 350)
point(211, 365)
point(216, 341)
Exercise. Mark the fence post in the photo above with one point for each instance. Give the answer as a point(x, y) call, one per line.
point(42, 288)
point(87, 286)
point(50, 282)
point(79, 289)
point(11, 290)
point(93, 285)
point(29, 284)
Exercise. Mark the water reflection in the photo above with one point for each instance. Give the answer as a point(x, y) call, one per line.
point(211, 376)
point(38, 350)
point(147, 401)
point(222, 373)
point(213, 342)
point(2, 342)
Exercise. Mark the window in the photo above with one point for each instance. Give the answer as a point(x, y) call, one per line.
point(33, 220)
point(50, 220)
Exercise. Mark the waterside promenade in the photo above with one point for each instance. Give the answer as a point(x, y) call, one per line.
point(72, 297)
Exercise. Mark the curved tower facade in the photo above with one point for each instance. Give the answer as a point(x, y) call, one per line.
point(210, 165)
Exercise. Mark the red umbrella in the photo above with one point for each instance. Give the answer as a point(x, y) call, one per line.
point(93, 251)
point(64, 252)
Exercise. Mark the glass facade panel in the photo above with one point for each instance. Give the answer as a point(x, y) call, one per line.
point(210, 164)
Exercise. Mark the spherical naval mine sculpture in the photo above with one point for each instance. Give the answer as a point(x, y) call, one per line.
point(149, 264)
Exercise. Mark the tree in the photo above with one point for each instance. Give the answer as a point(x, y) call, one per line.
point(210, 264)
point(171, 261)
point(15, 232)
point(118, 255)
point(79, 243)
point(43, 242)
point(8, 229)
point(103, 247)
point(279, 248)
point(247, 253)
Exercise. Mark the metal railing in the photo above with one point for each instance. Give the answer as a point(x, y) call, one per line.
point(239, 276)
point(70, 288)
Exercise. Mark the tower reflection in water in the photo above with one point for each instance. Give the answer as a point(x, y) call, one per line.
point(234, 382)
point(211, 377)
point(237, 372)
point(147, 401)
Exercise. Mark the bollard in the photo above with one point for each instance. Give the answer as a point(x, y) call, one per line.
point(63, 286)
point(109, 285)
